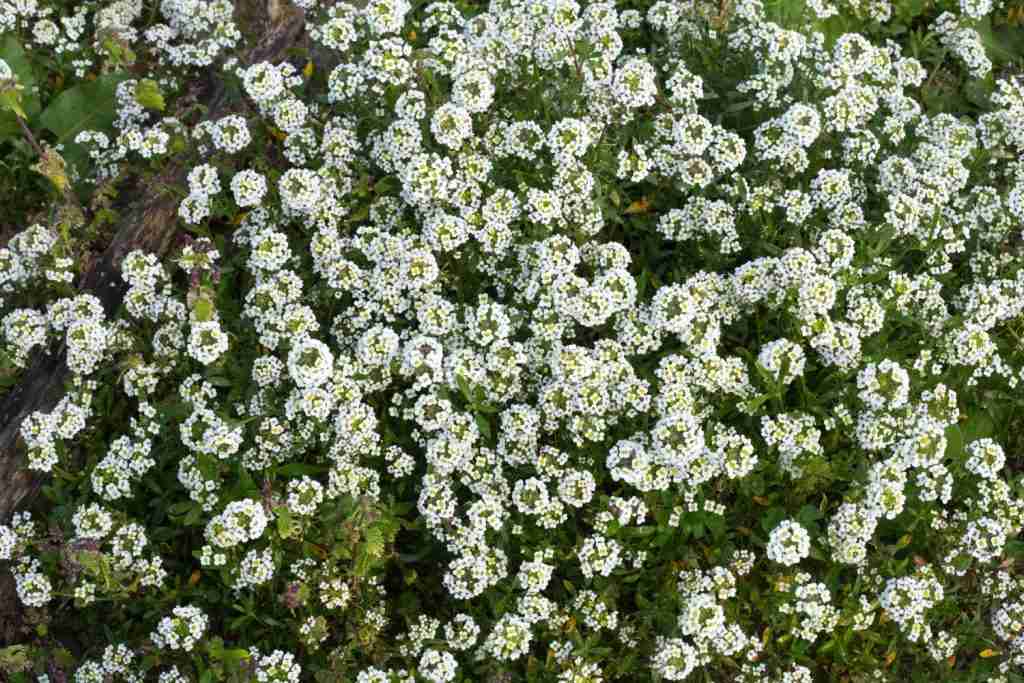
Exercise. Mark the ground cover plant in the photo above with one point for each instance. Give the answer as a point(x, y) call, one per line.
point(525, 341)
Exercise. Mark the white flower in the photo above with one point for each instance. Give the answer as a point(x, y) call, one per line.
point(248, 187)
point(788, 543)
point(182, 631)
point(451, 125)
point(207, 341)
point(300, 189)
point(784, 360)
point(474, 91)
point(635, 83)
point(32, 585)
point(310, 362)
point(437, 666)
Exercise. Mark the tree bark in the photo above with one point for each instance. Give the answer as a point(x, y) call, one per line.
point(150, 224)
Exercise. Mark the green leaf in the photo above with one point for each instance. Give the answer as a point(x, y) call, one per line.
point(234, 657)
point(484, 425)
point(203, 309)
point(359, 215)
point(463, 385)
point(245, 486)
point(808, 515)
point(14, 658)
point(180, 508)
point(12, 53)
point(387, 185)
point(817, 554)
point(716, 525)
point(1014, 549)
point(10, 101)
point(772, 518)
point(118, 51)
point(753, 404)
point(94, 562)
point(193, 517)
point(208, 465)
point(297, 469)
point(1002, 45)
point(978, 425)
point(88, 106)
point(374, 542)
point(285, 525)
point(219, 380)
point(148, 95)
point(954, 442)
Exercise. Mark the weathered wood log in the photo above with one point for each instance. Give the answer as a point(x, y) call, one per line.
point(148, 223)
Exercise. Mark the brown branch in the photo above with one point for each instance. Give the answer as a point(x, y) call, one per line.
point(28, 135)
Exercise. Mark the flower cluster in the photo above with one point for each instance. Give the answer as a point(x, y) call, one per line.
point(548, 339)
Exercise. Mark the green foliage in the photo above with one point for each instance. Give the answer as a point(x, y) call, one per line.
point(87, 106)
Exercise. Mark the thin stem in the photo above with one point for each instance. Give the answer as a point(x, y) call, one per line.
point(69, 196)
point(31, 138)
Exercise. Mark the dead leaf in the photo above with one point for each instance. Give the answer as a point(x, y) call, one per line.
point(639, 206)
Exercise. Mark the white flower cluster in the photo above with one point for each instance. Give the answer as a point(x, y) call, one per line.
point(32, 584)
point(783, 360)
point(45, 433)
point(674, 659)
point(277, 667)
point(248, 187)
point(444, 297)
point(181, 631)
point(907, 598)
point(240, 521)
point(965, 42)
point(203, 187)
point(788, 543)
point(255, 568)
point(92, 522)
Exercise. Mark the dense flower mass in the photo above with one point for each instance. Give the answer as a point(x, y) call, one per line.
point(532, 340)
